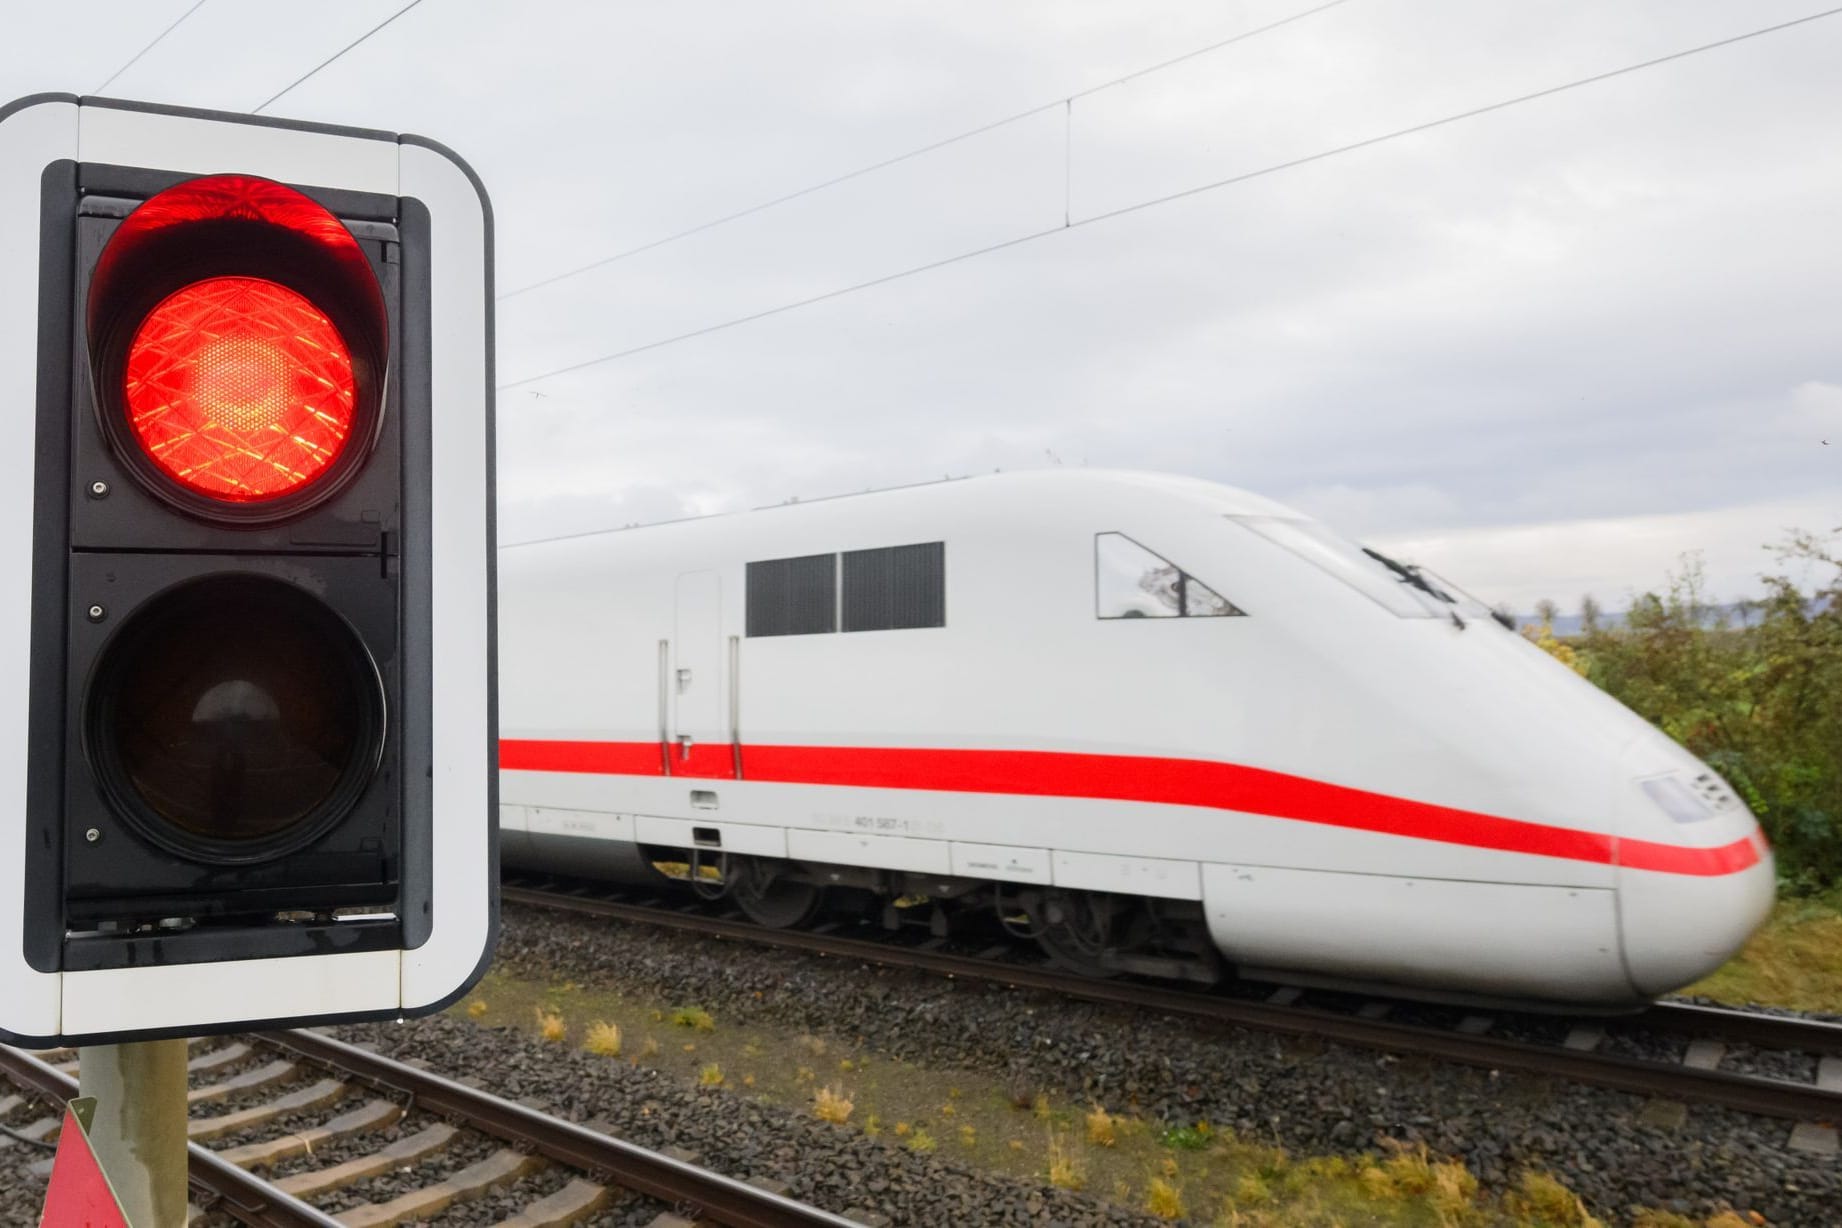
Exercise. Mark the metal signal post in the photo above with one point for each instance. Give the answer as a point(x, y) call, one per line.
point(139, 1131)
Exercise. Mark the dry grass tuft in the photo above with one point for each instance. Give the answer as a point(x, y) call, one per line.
point(921, 1141)
point(603, 1038)
point(695, 1018)
point(903, 1129)
point(550, 1026)
point(1446, 1184)
point(1067, 1170)
point(710, 1076)
point(968, 1137)
point(1163, 1199)
point(1327, 1168)
point(1413, 1173)
point(1231, 1216)
point(1102, 1126)
point(1040, 1106)
point(1375, 1182)
point(1544, 1199)
point(476, 1008)
point(649, 1047)
point(832, 1104)
point(1454, 1188)
point(1410, 1170)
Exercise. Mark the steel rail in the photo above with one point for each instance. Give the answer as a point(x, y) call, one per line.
point(1748, 1093)
point(216, 1184)
point(1725, 1023)
point(719, 1198)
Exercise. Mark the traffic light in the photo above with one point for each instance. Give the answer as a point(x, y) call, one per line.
point(249, 749)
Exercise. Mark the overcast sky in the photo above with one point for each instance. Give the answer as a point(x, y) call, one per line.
point(1546, 350)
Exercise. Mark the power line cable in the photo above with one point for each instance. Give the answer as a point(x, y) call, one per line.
point(1067, 100)
point(338, 54)
point(149, 47)
point(1153, 202)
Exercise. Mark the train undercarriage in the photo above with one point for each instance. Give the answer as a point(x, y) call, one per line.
point(1094, 933)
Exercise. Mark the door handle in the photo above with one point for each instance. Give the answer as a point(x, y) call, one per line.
point(684, 681)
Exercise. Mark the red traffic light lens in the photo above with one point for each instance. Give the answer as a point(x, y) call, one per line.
point(240, 389)
point(239, 347)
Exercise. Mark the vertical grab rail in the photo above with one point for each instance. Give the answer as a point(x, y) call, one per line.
point(665, 670)
point(735, 704)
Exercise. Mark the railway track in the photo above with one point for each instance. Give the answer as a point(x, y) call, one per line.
point(1595, 1051)
point(461, 1143)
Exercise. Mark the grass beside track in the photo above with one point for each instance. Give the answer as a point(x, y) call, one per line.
point(1172, 1170)
point(1795, 960)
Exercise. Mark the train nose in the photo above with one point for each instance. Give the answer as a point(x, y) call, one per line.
point(1695, 877)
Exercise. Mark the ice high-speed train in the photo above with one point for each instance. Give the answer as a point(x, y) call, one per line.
point(1159, 725)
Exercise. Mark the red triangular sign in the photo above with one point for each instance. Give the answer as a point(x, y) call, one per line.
point(79, 1195)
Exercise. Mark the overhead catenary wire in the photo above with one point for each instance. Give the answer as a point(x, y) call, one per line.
point(335, 57)
point(1066, 103)
point(136, 58)
point(1153, 202)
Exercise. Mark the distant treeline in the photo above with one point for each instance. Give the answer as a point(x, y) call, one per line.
point(1732, 614)
point(1754, 690)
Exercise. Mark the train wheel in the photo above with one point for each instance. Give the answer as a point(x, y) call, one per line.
point(1074, 929)
point(774, 901)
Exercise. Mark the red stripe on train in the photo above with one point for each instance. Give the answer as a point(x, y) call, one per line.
point(1177, 782)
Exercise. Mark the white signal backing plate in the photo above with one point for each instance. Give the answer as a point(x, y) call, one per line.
point(45, 1008)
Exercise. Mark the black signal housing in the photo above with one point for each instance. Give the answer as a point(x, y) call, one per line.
point(209, 817)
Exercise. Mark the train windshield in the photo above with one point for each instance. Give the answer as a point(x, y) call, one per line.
point(1403, 590)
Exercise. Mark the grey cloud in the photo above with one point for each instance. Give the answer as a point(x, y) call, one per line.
point(1618, 303)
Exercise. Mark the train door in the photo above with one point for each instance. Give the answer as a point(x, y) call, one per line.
point(700, 739)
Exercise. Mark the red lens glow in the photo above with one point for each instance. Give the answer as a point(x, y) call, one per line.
point(239, 389)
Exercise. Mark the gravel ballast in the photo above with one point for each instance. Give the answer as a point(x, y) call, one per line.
point(836, 1168)
point(1310, 1097)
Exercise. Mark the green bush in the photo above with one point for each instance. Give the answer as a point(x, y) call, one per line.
point(1761, 702)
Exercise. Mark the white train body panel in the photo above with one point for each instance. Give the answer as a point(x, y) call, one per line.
point(1350, 793)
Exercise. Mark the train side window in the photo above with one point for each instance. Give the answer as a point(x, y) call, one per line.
point(1133, 582)
point(793, 596)
point(895, 587)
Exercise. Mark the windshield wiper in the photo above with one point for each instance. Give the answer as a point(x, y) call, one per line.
point(1410, 574)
